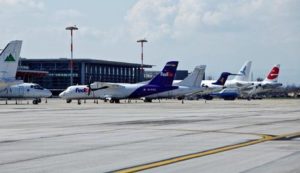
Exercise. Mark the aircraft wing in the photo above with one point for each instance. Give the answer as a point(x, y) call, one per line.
point(271, 85)
point(105, 85)
point(243, 85)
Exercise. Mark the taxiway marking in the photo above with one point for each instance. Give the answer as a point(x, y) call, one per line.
point(151, 165)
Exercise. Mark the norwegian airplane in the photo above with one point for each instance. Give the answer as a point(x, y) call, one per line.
point(116, 91)
point(9, 59)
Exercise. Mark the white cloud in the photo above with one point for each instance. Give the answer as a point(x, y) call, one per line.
point(67, 13)
point(38, 4)
point(183, 18)
point(150, 18)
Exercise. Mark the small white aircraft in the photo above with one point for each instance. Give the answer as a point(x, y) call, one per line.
point(9, 59)
point(116, 91)
point(10, 88)
point(25, 91)
point(188, 86)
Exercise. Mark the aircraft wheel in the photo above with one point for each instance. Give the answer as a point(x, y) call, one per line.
point(68, 100)
point(148, 100)
point(35, 102)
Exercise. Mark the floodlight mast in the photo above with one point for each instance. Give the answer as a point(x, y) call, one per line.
point(71, 29)
point(142, 41)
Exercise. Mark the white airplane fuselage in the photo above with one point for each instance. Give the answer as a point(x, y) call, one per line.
point(121, 91)
point(25, 91)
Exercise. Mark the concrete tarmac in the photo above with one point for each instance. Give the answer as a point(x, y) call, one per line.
point(217, 136)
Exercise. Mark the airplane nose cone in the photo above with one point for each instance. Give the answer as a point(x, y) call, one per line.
point(49, 94)
point(62, 94)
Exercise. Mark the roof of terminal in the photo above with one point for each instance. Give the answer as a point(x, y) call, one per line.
point(87, 60)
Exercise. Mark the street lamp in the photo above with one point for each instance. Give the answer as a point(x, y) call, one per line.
point(142, 41)
point(71, 28)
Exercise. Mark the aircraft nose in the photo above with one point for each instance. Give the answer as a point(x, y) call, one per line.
point(49, 93)
point(62, 94)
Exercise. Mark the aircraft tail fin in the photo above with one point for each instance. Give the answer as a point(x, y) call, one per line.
point(244, 72)
point(9, 58)
point(166, 76)
point(273, 74)
point(222, 79)
point(195, 78)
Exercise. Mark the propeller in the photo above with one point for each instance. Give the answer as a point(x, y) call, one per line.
point(93, 89)
point(89, 85)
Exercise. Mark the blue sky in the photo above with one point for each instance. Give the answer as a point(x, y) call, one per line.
point(221, 34)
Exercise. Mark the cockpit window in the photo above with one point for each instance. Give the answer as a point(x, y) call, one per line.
point(38, 87)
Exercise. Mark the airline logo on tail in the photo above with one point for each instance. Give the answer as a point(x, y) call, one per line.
point(9, 58)
point(274, 73)
point(223, 78)
point(244, 70)
point(167, 74)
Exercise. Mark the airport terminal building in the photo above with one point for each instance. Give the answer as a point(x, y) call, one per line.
point(54, 74)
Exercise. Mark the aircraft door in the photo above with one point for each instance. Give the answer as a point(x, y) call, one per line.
point(21, 91)
point(170, 93)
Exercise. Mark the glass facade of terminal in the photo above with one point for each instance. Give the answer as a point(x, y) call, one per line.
point(84, 70)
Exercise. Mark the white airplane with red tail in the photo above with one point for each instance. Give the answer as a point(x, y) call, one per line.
point(269, 83)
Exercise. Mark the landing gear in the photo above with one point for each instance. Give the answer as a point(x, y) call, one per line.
point(147, 100)
point(68, 100)
point(78, 102)
point(35, 101)
point(229, 98)
point(114, 101)
point(207, 97)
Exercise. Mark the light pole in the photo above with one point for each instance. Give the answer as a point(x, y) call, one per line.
point(71, 28)
point(142, 41)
